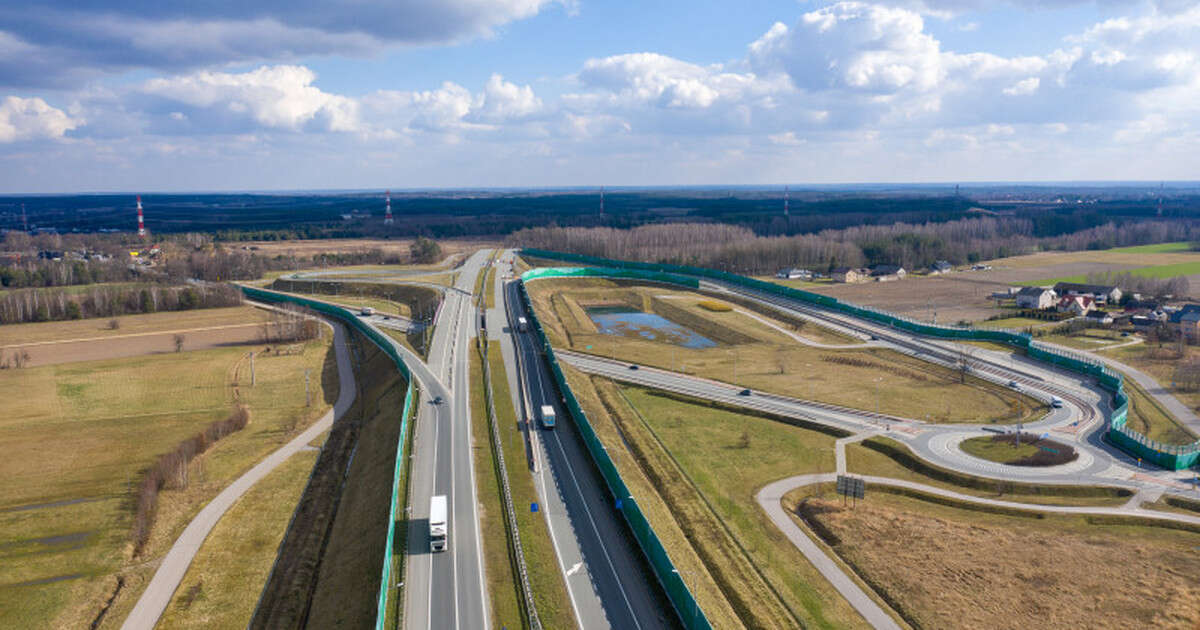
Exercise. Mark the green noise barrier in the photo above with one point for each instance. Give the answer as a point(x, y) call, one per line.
point(681, 597)
point(386, 346)
point(1169, 456)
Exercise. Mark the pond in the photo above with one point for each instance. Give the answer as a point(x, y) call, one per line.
point(626, 322)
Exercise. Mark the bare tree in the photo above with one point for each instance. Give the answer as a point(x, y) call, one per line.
point(179, 343)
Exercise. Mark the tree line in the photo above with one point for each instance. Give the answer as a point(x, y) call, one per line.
point(913, 246)
point(40, 305)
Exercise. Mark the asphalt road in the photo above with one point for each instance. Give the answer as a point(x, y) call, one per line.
point(174, 566)
point(447, 589)
point(605, 573)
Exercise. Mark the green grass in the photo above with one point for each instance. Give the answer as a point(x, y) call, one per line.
point(1156, 271)
point(730, 456)
point(222, 585)
point(85, 432)
point(549, 590)
point(1001, 452)
point(503, 591)
point(1159, 248)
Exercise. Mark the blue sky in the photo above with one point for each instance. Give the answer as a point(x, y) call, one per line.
point(226, 95)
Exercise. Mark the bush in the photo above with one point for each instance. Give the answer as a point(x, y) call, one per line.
point(715, 306)
point(170, 471)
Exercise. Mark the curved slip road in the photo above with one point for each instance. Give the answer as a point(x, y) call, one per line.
point(174, 566)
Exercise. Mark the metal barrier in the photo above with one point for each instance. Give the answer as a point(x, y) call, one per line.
point(1172, 457)
point(671, 580)
point(385, 345)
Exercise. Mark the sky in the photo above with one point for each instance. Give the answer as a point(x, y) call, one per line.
point(217, 95)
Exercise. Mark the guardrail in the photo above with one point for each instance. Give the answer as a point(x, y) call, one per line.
point(682, 599)
point(263, 295)
point(1173, 457)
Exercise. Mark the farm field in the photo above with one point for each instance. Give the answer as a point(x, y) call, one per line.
point(19, 334)
point(398, 247)
point(659, 442)
point(74, 440)
point(750, 353)
point(948, 567)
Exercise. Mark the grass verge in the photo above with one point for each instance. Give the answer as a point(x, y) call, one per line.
point(549, 590)
point(502, 584)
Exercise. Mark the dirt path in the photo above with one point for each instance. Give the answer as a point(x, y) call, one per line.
point(174, 566)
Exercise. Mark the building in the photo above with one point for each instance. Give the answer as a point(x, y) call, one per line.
point(794, 273)
point(882, 271)
point(1036, 298)
point(1099, 317)
point(1078, 304)
point(1104, 294)
point(1186, 321)
point(848, 274)
point(941, 266)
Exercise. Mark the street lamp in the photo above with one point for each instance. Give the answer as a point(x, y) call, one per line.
point(877, 380)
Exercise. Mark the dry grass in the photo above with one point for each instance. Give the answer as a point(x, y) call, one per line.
point(398, 247)
point(714, 306)
point(14, 334)
point(870, 379)
point(222, 586)
point(83, 432)
point(947, 567)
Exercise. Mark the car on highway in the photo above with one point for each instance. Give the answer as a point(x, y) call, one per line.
point(633, 367)
point(437, 400)
point(874, 338)
point(744, 392)
point(1056, 402)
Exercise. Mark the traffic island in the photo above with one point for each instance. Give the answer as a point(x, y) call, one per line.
point(1019, 449)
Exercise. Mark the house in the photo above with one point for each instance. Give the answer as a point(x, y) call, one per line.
point(1136, 304)
point(1035, 298)
point(941, 266)
point(881, 271)
point(1099, 292)
point(793, 273)
point(1078, 304)
point(848, 274)
point(1186, 320)
point(1098, 317)
point(1143, 323)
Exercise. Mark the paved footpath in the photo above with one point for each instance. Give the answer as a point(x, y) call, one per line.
point(174, 566)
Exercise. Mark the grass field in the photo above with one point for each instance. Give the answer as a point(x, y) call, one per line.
point(764, 358)
point(379, 304)
point(729, 456)
point(949, 567)
point(13, 334)
point(74, 439)
point(1147, 417)
point(1189, 268)
point(1016, 451)
point(503, 591)
point(1159, 248)
point(222, 586)
point(549, 591)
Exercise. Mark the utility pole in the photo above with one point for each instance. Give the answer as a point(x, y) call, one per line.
point(307, 391)
point(251, 368)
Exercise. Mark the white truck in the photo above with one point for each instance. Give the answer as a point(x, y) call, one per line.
point(547, 416)
point(366, 311)
point(438, 526)
point(522, 325)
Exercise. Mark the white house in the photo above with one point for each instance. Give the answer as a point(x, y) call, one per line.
point(1035, 298)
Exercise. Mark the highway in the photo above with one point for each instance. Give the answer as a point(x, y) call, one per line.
point(446, 589)
point(607, 580)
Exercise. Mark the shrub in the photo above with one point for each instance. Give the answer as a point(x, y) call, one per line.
point(715, 306)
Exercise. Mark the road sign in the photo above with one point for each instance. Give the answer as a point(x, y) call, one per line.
point(533, 507)
point(851, 486)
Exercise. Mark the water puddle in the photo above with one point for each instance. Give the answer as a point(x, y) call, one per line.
point(626, 322)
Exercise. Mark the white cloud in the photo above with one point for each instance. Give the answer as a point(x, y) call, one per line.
point(503, 101)
point(32, 119)
point(1023, 87)
point(279, 97)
